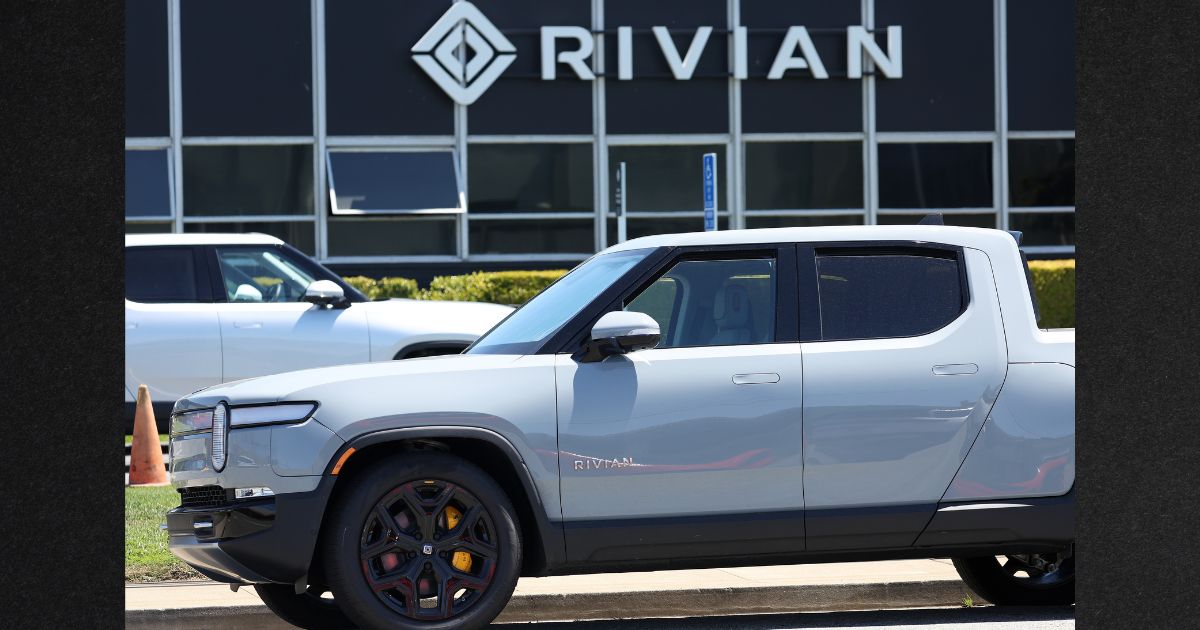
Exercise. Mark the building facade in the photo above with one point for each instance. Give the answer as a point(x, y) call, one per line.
point(419, 137)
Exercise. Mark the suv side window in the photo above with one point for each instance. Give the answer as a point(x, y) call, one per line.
point(161, 274)
point(712, 302)
point(267, 274)
point(887, 295)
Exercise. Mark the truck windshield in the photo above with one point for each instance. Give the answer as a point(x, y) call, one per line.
point(531, 325)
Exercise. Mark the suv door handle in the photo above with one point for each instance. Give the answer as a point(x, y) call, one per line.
point(247, 324)
point(953, 369)
point(761, 378)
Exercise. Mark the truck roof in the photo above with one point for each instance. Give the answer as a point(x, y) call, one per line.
point(144, 240)
point(980, 238)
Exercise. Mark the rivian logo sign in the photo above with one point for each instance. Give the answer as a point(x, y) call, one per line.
point(464, 53)
point(464, 77)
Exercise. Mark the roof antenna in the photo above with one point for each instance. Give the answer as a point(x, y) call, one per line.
point(933, 218)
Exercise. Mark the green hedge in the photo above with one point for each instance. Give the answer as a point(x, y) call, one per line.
point(1054, 281)
point(384, 288)
point(500, 287)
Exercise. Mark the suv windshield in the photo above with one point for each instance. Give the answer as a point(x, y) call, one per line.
point(532, 324)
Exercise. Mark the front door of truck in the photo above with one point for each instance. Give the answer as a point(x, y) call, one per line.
point(701, 433)
point(911, 358)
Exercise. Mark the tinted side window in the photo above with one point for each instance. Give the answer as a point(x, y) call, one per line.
point(160, 274)
point(712, 303)
point(873, 296)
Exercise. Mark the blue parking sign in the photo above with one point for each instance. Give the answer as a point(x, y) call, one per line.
point(710, 192)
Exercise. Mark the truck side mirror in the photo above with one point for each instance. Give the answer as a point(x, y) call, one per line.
point(621, 332)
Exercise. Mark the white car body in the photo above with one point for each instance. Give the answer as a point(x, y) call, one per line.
point(178, 347)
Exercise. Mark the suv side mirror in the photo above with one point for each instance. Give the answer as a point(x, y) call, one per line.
point(621, 332)
point(325, 293)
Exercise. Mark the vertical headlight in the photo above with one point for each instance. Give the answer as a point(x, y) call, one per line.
point(220, 424)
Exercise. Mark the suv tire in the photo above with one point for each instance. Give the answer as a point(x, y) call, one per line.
point(406, 573)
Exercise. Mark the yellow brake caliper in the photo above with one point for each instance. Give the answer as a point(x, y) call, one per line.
point(461, 559)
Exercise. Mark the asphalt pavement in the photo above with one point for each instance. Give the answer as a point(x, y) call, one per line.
point(976, 618)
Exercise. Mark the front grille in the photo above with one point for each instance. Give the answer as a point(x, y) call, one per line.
point(202, 496)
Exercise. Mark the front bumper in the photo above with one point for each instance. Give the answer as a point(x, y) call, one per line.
point(251, 541)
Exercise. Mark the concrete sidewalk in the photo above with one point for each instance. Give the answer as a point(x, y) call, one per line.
point(798, 588)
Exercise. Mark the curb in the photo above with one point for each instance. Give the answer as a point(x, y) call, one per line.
point(649, 604)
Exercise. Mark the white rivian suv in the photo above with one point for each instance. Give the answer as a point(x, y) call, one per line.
point(204, 309)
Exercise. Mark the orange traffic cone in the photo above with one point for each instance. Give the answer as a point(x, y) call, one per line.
point(145, 456)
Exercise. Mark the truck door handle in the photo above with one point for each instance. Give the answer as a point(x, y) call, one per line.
point(761, 378)
point(247, 324)
point(953, 369)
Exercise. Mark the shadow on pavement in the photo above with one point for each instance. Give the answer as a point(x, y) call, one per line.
point(867, 619)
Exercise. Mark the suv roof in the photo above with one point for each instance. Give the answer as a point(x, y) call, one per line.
point(142, 240)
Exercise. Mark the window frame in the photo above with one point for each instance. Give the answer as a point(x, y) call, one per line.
point(216, 280)
point(330, 189)
point(200, 274)
point(572, 338)
point(811, 276)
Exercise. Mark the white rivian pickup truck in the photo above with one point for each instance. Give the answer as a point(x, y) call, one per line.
point(750, 397)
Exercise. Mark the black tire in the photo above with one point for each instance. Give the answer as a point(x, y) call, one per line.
point(307, 610)
point(360, 547)
point(997, 580)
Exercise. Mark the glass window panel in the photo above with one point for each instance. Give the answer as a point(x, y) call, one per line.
point(160, 274)
point(147, 184)
point(727, 303)
point(869, 297)
point(558, 236)
point(253, 274)
point(947, 175)
point(391, 181)
point(803, 175)
point(636, 227)
point(1044, 228)
point(298, 234)
point(1041, 172)
point(520, 102)
point(965, 220)
point(246, 68)
point(802, 221)
point(529, 177)
point(1041, 64)
point(654, 101)
point(666, 178)
point(392, 236)
point(373, 86)
point(247, 180)
point(948, 66)
point(147, 228)
point(147, 105)
point(798, 102)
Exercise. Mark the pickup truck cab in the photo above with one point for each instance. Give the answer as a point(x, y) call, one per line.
point(695, 400)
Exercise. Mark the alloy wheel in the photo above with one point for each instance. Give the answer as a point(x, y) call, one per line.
point(429, 549)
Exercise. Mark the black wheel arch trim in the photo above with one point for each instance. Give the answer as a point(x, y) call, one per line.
point(552, 541)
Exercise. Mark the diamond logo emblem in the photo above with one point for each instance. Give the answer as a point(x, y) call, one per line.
point(464, 53)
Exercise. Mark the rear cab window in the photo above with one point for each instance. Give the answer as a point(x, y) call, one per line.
point(888, 293)
point(165, 275)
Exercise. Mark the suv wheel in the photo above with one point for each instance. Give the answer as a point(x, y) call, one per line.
point(306, 610)
point(1030, 579)
point(423, 540)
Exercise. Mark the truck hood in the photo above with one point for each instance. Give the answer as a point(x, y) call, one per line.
point(301, 384)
